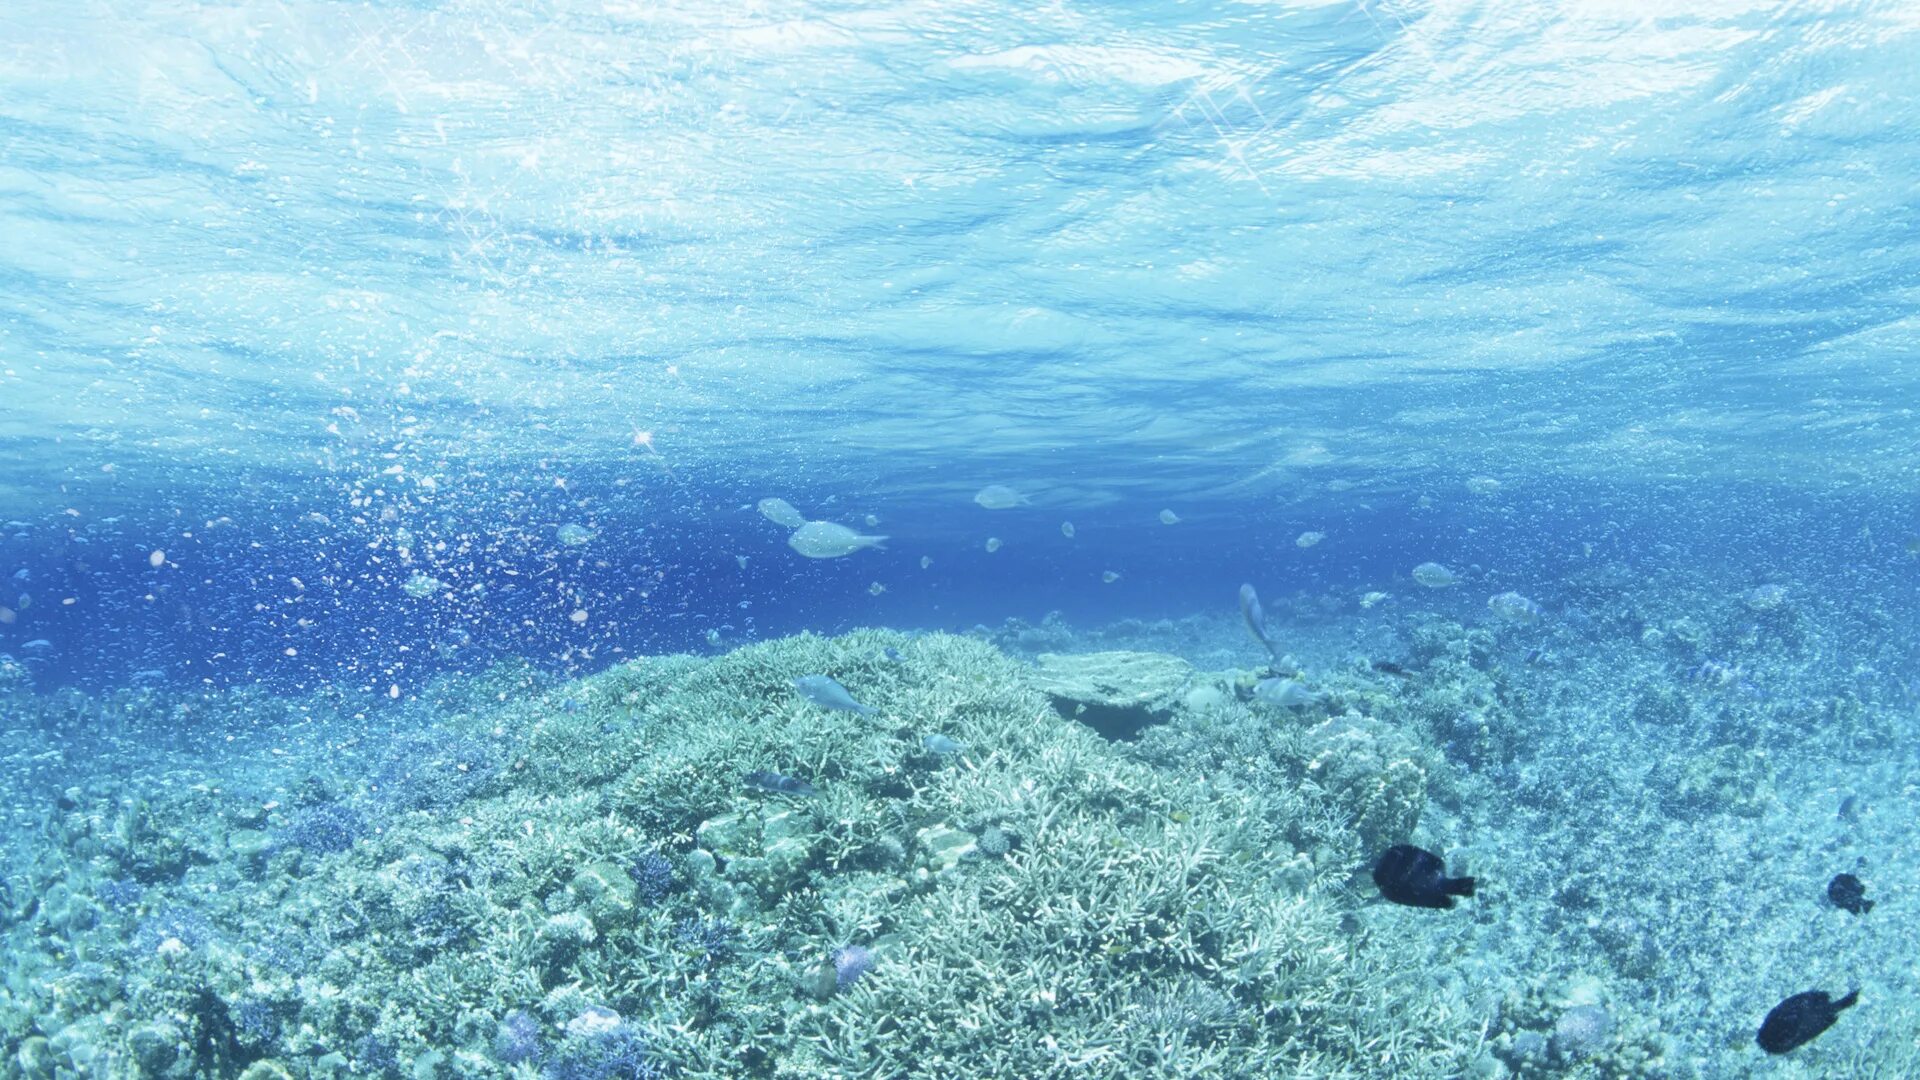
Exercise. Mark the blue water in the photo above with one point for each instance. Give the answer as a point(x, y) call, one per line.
point(472, 271)
point(302, 301)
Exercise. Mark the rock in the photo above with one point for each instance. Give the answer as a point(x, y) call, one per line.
point(1118, 694)
point(605, 890)
point(34, 1058)
point(943, 846)
point(154, 1048)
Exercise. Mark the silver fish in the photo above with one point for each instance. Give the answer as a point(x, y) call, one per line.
point(1513, 607)
point(940, 744)
point(823, 691)
point(1256, 617)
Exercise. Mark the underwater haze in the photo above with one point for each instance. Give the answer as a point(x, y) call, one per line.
point(839, 539)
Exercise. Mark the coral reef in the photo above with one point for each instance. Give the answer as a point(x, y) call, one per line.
point(611, 898)
point(1116, 693)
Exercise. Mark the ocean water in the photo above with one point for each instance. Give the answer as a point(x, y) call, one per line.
point(397, 666)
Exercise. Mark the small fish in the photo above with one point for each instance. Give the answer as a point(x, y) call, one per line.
point(1255, 617)
point(940, 744)
point(1286, 693)
point(1434, 576)
point(1417, 877)
point(1513, 607)
point(1370, 599)
point(827, 540)
point(38, 643)
point(823, 691)
point(1848, 894)
point(1388, 667)
point(893, 655)
point(1797, 1020)
point(1850, 810)
point(769, 781)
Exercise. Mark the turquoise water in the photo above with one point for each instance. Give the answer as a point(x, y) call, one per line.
point(388, 393)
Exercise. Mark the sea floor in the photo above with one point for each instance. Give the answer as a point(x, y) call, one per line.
point(1046, 850)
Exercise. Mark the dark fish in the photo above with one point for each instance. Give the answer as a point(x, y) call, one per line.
point(1848, 894)
point(1850, 809)
point(1418, 878)
point(1388, 667)
point(1798, 1019)
point(768, 780)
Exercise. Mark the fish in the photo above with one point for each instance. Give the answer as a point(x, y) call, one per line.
point(1255, 617)
point(1847, 893)
point(1308, 539)
point(1417, 877)
point(826, 540)
point(38, 643)
point(999, 497)
point(892, 654)
point(940, 744)
point(1797, 1020)
point(1286, 693)
point(781, 512)
point(1513, 607)
point(1389, 667)
point(823, 691)
point(769, 781)
point(1168, 517)
point(1434, 576)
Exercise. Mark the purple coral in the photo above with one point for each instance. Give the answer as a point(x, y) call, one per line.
point(517, 1039)
point(652, 876)
point(849, 964)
